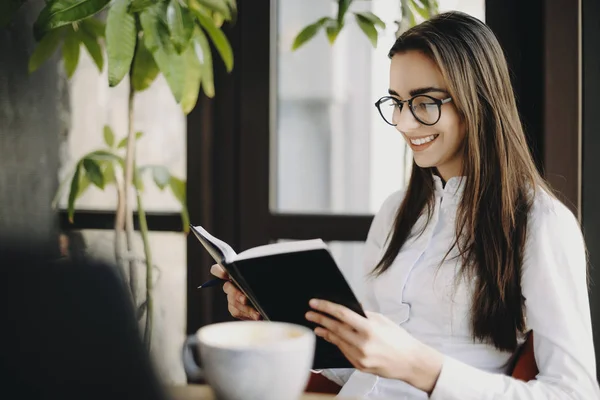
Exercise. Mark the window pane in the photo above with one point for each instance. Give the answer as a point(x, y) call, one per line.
point(332, 151)
point(93, 104)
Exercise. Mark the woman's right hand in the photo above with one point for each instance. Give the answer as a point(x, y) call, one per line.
point(237, 303)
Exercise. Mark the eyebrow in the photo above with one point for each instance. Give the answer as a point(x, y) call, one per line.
point(423, 90)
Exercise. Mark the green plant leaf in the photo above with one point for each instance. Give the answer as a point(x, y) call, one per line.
point(123, 143)
point(74, 192)
point(145, 69)
point(84, 184)
point(219, 40)
point(93, 47)
point(93, 172)
point(138, 180)
point(169, 62)
point(154, 24)
point(94, 27)
point(233, 7)
point(140, 5)
point(58, 13)
point(120, 41)
point(217, 6)
point(70, 52)
point(185, 218)
point(104, 155)
point(172, 66)
point(343, 6)
point(333, 30)
point(178, 188)
point(421, 9)
point(109, 136)
point(161, 176)
point(308, 33)
point(45, 49)
point(207, 78)
point(108, 171)
point(181, 25)
point(368, 28)
point(374, 19)
point(193, 77)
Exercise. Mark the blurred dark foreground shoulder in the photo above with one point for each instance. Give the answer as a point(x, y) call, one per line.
point(68, 330)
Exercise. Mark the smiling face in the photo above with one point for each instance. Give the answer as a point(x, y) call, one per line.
point(439, 145)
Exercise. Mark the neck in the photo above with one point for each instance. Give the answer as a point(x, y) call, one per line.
point(447, 172)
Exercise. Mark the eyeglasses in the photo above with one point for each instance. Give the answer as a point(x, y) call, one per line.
point(426, 109)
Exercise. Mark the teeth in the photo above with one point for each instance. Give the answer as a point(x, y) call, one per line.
point(424, 140)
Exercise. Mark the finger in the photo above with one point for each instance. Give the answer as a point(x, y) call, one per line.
point(341, 313)
point(340, 329)
point(218, 271)
point(229, 287)
point(236, 297)
point(235, 293)
point(244, 309)
point(243, 312)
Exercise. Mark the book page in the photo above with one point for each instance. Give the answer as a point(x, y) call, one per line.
point(281, 248)
point(228, 253)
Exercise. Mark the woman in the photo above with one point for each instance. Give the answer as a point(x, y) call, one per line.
point(473, 255)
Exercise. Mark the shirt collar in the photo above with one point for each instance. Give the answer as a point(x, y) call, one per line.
point(455, 185)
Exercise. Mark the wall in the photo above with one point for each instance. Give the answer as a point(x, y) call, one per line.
point(31, 124)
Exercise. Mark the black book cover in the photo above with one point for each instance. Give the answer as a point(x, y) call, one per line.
point(281, 285)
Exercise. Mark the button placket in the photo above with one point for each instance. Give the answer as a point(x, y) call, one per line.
point(389, 287)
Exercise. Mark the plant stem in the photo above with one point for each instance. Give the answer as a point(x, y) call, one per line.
point(129, 164)
point(149, 264)
point(119, 226)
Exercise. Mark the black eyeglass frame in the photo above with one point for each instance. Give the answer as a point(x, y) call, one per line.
point(400, 104)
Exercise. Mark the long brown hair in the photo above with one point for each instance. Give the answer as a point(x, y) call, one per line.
point(501, 177)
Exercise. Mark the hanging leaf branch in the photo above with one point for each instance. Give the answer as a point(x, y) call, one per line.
point(412, 11)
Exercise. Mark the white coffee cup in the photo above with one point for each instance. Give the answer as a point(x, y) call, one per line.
point(256, 360)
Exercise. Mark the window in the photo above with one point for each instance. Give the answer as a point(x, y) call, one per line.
point(333, 159)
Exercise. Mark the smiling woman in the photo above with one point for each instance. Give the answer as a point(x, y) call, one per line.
point(475, 255)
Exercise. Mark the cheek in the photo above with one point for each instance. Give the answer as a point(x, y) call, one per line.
point(454, 132)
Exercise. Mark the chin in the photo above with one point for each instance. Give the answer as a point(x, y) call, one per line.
point(423, 162)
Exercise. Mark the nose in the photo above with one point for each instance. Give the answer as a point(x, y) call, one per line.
point(406, 121)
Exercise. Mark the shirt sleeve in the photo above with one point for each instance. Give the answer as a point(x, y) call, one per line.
point(554, 284)
point(375, 241)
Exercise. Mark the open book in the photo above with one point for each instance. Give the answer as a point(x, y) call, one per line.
point(279, 279)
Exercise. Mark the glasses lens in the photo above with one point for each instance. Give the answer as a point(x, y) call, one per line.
point(389, 110)
point(426, 109)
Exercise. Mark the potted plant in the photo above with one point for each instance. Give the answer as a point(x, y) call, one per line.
point(138, 39)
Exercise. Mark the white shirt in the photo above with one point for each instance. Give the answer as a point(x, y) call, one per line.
point(425, 301)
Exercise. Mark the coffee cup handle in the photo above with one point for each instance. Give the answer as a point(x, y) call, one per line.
point(192, 370)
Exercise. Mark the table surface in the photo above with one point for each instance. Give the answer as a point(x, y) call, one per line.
point(203, 392)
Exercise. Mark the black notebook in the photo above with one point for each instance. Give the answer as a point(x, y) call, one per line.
point(279, 279)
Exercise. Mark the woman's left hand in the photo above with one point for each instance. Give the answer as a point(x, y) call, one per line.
point(377, 345)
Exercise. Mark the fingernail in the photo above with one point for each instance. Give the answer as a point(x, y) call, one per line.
point(314, 302)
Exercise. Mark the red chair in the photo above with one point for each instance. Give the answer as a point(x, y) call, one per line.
point(524, 369)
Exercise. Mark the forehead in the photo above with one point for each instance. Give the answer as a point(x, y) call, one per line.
point(412, 70)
